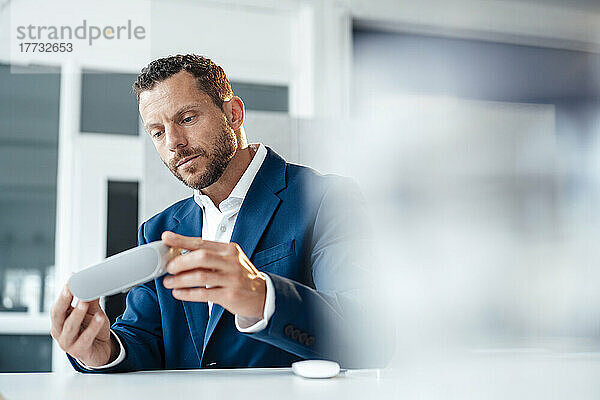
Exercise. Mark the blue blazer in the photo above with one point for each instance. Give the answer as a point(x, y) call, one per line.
point(299, 227)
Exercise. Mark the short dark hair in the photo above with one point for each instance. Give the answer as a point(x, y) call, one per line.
point(210, 77)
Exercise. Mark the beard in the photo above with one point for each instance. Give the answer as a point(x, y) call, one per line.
point(223, 149)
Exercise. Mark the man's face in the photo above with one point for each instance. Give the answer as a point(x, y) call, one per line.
point(191, 134)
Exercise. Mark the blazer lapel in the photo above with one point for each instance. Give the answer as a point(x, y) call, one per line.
point(196, 313)
point(257, 210)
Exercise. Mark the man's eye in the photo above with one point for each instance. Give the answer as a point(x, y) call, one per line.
point(187, 119)
point(156, 135)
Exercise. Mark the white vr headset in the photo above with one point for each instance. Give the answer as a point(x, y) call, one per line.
point(122, 271)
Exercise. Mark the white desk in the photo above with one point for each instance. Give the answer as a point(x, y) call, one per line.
point(479, 376)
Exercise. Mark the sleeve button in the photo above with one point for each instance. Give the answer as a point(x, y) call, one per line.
point(302, 338)
point(288, 330)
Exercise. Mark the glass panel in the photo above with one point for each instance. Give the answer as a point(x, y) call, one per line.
point(262, 97)
point(29, 112)
point(121, 232)
point(108, 104)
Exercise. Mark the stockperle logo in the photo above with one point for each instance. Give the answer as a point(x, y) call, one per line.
point(84, 32)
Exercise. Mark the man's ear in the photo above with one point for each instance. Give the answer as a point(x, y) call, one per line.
point(235, 112)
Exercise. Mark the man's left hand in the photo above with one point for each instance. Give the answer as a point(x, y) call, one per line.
point(234, 283)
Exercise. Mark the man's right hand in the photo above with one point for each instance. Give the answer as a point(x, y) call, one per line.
point(83, 331)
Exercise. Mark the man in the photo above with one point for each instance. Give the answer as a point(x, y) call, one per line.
point(274, 272)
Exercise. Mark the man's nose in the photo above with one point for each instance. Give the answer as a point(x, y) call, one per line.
point(175, 138)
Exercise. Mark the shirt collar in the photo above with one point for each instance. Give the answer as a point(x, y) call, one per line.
point(243, 185)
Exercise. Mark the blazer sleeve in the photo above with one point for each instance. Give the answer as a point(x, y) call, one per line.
point(338, 318)
point(139, 329)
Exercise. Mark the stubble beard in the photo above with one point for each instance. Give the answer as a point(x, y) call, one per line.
point(219, 156)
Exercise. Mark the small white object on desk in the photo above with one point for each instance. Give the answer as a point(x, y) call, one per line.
point(316, 368)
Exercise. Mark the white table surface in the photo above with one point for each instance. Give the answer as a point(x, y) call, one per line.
point(491, 375)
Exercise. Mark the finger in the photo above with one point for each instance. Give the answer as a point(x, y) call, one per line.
point(201, 258)
point(87, 319)
point(214, 294)
point(195, 278)
point(72, 325)
point(173, 239)
point(94, 306)
point(61, 309)
point(86, 339)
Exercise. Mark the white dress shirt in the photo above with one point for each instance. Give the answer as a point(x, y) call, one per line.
point(217, 225)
